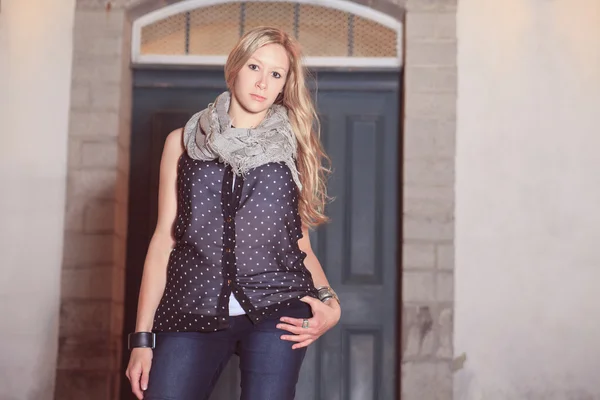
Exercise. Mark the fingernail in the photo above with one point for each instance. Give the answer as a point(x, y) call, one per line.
point(279, 326)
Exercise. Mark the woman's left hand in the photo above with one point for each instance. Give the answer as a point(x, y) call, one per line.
point(325, 316)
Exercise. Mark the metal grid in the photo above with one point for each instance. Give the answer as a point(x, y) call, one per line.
point(322, 31)
point(166, 36)
point(214, 30)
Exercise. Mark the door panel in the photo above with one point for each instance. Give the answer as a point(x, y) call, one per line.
point(359, 118)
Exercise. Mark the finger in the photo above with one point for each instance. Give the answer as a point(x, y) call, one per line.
point(292, 321)
point(296, 338)
point(303, 344)
point(296, 329)
point(145, 375)
point(310, 300)
point(135, 376)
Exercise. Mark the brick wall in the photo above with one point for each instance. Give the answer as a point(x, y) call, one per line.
point(91, 313)
point(96, 221)
point(428, 217)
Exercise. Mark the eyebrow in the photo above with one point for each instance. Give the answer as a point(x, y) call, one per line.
point(260, 62)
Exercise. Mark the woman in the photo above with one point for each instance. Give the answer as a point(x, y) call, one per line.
point(230, 268)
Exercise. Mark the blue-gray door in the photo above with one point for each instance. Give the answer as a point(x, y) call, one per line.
point(358, 359)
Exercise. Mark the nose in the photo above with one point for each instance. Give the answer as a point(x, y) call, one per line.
point(261, 84)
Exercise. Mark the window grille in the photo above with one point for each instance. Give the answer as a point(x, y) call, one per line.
point(331, 33)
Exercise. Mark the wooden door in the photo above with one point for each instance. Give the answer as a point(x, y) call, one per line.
point(357, 360)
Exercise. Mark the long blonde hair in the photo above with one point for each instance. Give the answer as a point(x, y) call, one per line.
point(302, 114)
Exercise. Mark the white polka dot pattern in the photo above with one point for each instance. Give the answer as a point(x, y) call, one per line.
point(237, 238)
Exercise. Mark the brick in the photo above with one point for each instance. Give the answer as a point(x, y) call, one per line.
point(80, 317)
point(74, 214)
point(96, 124)
point(418, 287)
point(444, 287)
point(120, 250)
point(81, 96)
point(92, 183)
point(99, 154)
point(121, 219)
point(443, 381)
point(426, 380)
point(430, 26)
point(97, 22)
point(425, 79)
point(432, 5)
point(124, 132)
point(430, 229)
point(100, 217)
point(445, 328)
point(418, 255)
point(123, 159)
point(86, 250)
point(96, 69)
point(118, 284)
point(74, 152)
point(87, 283)
point(442, 210)
point(83, 353)
point(427, 105)
point(429, 138)
point(418, 381)
point(78, 385)
point(105, 97)
point(125, 92)
point(445, 256)
point(431, 53)
point(434, 172)
point(122, 188)
point(418, 335)
point(393, 8)
point(89, 42)
point(116, 323)
point(424, 192)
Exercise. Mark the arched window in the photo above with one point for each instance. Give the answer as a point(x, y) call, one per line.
point(333, 33)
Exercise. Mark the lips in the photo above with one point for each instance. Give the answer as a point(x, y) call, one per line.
point(258, 98)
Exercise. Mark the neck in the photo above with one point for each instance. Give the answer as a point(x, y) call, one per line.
point(242, 118)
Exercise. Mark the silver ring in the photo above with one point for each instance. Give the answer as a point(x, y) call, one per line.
point(305, 323)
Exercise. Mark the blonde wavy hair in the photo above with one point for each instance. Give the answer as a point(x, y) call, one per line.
point(302, 114)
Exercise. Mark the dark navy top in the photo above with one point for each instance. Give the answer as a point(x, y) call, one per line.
point(237, 238)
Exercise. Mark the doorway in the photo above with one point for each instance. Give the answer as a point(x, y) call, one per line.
point(359, 249)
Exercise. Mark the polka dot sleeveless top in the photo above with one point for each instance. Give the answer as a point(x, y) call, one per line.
point(235, 238)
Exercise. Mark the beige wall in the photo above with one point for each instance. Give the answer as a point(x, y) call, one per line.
point(528, 195)
point(35, 76)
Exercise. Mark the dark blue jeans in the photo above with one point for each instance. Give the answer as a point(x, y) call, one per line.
point(187, 365)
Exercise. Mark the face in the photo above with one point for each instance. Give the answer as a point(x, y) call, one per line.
point(261, 78)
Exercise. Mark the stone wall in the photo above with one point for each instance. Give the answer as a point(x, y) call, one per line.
point(91, 312)
point(98, 167)
point(428, 199)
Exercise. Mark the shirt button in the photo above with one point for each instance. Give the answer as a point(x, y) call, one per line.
point(229, 281)
point(229, 219)
point(228, 250)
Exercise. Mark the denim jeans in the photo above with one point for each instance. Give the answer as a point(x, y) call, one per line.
point(187, 365)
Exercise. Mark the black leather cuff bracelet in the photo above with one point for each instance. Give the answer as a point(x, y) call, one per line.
point(141, 339)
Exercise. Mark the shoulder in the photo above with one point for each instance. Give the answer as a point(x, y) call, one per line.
point(174, 143)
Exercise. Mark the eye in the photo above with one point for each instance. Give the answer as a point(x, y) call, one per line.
point(253, 67)
point(276, 75)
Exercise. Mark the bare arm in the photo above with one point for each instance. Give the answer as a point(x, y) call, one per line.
point(313, 265)
point(325, 315)
point(155, 267)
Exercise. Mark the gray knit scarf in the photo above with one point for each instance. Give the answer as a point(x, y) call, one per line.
point(209, 135)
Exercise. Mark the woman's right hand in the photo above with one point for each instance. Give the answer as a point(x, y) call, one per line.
point(138, 370)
